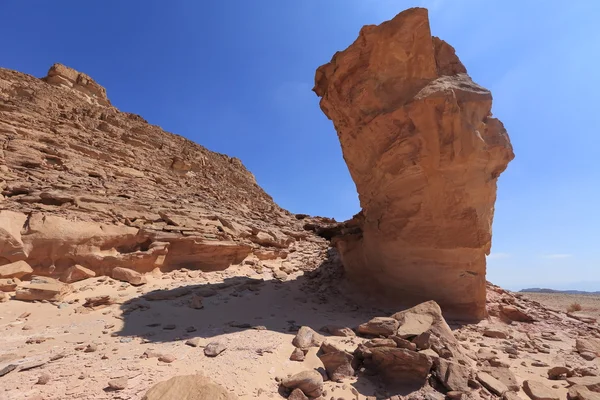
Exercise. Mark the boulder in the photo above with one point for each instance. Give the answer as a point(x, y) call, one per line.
point(17, 269)
point(43, 288)
point(128, 275)
point(557, 372)
point(399, 365)
point(495, 333)
point(452, 375)
point(77, 273)
point(188, 387)
point(538, 391)
point(306, 338)
point(310, 382)
point(379, 326)
point(425, 154)
point(11, 242)
point(588, 345)
point(297, 394)
point(338, 365)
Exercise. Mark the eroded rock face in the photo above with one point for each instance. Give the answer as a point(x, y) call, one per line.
point(84, 184)
point(425, 154)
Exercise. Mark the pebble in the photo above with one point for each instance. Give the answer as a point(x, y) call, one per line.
point(43, 379)
point(118, 384)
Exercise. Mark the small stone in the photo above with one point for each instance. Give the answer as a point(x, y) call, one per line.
point(586, 355)
point(169, 327)
point(194, 342)
point(213, 349)
point(492, 384)
point(43, 379)
point(196, 302)
point(297, 355)
point(190, 329)
point(27, 327)
point(92, 347)
point(118, 384)
point(167, 358)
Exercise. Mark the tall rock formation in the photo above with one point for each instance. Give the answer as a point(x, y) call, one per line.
point(82, 183)
point(425, 154)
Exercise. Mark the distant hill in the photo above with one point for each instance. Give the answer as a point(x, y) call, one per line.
point(540, 290)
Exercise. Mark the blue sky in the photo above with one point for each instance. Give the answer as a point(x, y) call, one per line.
point(236, 77)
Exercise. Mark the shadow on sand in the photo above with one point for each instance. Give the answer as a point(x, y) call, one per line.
point(240, 303)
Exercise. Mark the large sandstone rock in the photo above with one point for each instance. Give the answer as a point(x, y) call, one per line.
point(425, 153)
point(18, 269)
point(399, 365)
point(310, 382)
point(43, 288)
point(188, 387)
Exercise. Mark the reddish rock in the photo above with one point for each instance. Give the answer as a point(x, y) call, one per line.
point(425, 153)
point(77, 273)
point(129, 275)
point(514, 314)
point(18, 269)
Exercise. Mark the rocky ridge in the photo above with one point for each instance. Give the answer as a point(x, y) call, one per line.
point(85, 185)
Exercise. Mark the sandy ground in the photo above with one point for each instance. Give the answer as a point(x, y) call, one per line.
point(256, 353)
point(254, 315)
point(560, 301)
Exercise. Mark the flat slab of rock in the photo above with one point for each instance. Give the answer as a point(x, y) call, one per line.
point(43, 288)
point(452, 375)
point(128, 275)
point(588, 345)
point(188, 387)
point(582, 393)
point(492, 384)
point(538, 391)
point(16, 269)
point(515, 314)
point(590, 382)
point(338, 331)
point(379, 326)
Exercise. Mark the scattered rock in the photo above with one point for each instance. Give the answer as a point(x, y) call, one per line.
point(589, 346)
point(557, 372)
point(213, 349)
point(306, 338)
point(118, 384)
point(338, 365)
point(582, 393)
point(538, 391)
point(194, 342)
point(504, 375)
point(44, 379)
point(91, 348)
point(9, 284)
point(128, 275)
point(309, 382)
point(495, 333)
point(77, 273)
point(297, 355)
point(167, 358)
point(399, 365)
point(196, 302)
point(377, 326)
point(43, 288)
point(453, 376)
point(492, 384)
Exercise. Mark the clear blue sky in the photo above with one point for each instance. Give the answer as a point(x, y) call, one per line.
point(236, 77)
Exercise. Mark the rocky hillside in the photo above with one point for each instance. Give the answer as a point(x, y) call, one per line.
point(83, 183)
